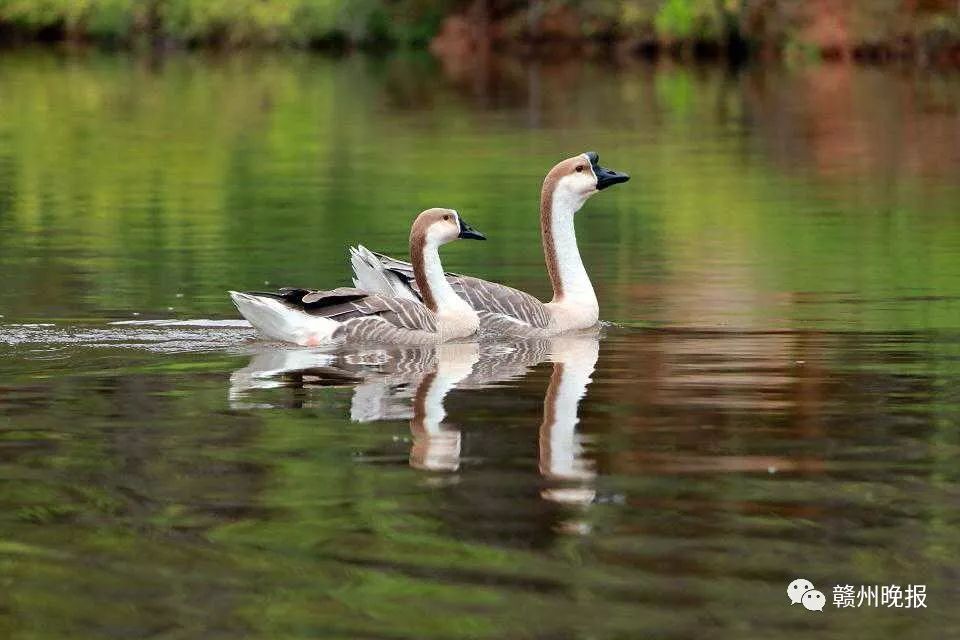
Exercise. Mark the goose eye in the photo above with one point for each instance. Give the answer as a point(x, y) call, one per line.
point(446, 217)
point(579, 168)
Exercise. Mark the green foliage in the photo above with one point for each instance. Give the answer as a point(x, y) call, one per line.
point(676, 18)
point(105, 19)
point(299, 23)
point(111, 20)
point(687, 20)
point(230, 22)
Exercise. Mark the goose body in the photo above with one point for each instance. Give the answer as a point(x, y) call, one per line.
point(312, 317)
point(505, 310)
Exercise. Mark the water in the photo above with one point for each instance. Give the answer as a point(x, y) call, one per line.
point(774, 394)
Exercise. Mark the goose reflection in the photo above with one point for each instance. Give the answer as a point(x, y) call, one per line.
point(436, 445)
point(412, 383)
point(280, 368)
point(561, 447)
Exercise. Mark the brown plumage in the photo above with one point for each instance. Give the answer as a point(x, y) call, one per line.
point(418, 240)
point(546, 217)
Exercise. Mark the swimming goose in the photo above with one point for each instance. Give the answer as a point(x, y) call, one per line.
point(503, 309)
point(310, 318)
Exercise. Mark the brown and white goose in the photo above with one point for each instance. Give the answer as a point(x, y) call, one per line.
point(503, 309)
point(311, 318)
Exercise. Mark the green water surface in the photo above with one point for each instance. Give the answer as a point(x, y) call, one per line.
point(776, 395)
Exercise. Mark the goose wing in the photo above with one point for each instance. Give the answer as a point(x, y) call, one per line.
point(500, 307)
point(370, 275)
point(360, 310)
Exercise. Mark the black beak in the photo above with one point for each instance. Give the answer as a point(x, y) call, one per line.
point(469, 233)
point(605, 177)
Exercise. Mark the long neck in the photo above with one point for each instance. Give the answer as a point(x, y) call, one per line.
point(567, 273)
point(437, 293)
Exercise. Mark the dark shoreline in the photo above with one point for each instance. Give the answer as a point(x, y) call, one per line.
point(543, 50)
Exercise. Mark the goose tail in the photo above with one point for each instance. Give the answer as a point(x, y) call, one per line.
point(278, 321)
point(370, 274)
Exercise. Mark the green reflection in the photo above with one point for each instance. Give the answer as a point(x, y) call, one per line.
point(784, 403)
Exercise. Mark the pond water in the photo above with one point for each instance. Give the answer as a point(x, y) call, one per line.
point(774, 394)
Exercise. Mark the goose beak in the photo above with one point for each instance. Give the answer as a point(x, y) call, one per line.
point(469, 233)
point(605, 177)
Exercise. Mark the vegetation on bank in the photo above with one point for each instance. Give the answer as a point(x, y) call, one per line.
point(833, 28)
point(232, 23)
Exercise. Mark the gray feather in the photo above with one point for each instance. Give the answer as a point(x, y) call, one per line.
point(506, 309)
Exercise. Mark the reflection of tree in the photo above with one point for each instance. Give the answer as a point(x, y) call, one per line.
point(147, 213)
point(829, 115)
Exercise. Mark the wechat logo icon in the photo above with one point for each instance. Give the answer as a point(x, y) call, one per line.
point(802, 591)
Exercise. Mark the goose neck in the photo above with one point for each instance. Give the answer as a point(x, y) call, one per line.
point(437, 293)
point(564, 264)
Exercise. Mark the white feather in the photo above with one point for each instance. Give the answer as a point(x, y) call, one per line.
point(370, 275)
point(277, 321)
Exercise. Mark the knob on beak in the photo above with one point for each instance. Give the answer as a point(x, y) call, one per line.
point(605, 177)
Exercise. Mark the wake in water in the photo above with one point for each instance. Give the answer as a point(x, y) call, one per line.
point(165, 336)
point(160, 336)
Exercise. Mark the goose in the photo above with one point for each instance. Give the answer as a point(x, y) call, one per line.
point(310, 317)
point(505, 310)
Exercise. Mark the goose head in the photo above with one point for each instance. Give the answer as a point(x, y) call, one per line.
point(440, 226)
point(576, 179)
